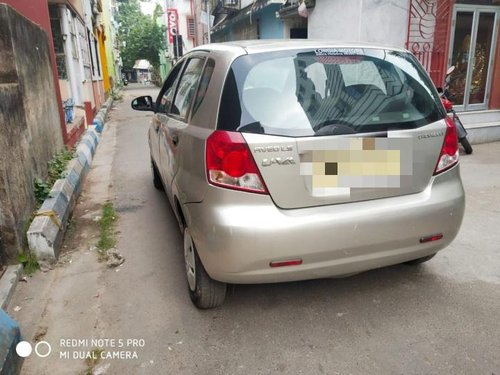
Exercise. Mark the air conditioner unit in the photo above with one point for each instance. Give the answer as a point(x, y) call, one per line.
point(230, 3)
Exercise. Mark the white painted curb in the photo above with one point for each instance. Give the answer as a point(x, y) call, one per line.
point(46, 232)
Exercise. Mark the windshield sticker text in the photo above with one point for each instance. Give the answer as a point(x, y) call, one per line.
point(338, 51)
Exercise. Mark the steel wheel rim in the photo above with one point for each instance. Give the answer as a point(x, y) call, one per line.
point(189, 260)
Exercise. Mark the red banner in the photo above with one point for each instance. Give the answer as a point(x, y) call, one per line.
point(172, 24)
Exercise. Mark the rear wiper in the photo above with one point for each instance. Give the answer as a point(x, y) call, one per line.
point(334, 129)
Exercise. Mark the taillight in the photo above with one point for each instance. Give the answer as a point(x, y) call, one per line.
point(447, 104)
point(230, 163)
point(449, 151)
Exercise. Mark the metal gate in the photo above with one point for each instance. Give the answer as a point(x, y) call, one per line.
point(429, 27)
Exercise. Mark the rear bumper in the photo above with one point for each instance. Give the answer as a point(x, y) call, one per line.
point(238, 234)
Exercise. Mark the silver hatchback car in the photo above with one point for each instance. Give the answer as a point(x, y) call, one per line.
point(294, 160)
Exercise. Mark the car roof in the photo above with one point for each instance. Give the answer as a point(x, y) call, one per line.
point(267, 45)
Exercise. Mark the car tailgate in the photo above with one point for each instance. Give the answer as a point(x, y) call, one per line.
point(314, 171)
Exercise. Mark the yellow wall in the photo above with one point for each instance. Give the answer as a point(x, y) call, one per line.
point(108, 31)
point(104, 61)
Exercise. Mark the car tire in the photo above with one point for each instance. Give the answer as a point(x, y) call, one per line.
point(158, 184)
point(418, 261)
point(205, 292)
point(466, 145)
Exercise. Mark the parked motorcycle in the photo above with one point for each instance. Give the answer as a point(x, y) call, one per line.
point(448, 105)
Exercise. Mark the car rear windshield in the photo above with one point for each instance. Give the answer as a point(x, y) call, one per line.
point(327, 91)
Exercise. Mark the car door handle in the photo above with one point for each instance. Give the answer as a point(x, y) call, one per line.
point(156, 125)
point(175, 139)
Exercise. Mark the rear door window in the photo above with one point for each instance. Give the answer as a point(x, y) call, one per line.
point(166, 96)
point(328, 91)
point(187, 87)
point(204, 81)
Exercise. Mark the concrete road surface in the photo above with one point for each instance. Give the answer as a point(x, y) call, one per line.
point(439, 318)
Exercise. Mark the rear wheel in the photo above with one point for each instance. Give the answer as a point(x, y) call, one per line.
point(156, 177)
point(466, 145)
point(418, 261)
point(205, 292)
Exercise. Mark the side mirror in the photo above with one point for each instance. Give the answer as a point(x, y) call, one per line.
point(143, 103)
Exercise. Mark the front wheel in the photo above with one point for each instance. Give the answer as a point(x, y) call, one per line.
point(205, 292)
point(466, 145)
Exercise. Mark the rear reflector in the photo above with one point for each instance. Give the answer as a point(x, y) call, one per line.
point(284, 263)
point(431, 238)
point(230, 163)
point(448, 156)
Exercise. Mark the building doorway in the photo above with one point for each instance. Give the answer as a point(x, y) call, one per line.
point(472, 50)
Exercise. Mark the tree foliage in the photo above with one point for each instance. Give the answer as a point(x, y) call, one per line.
point(139, 35)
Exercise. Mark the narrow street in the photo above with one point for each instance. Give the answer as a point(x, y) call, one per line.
point(439, 318)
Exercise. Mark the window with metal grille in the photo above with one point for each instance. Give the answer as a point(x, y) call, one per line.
point(58, 42)
point(84, 50)
point(94, 55)
point(191, 27)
